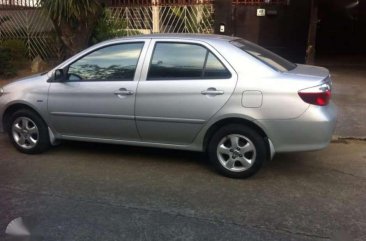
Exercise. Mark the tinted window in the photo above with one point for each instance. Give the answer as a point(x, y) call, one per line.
point(185, 61)
point(177, 61)
point(116, 62)
point(269, 58)
point(214, 69)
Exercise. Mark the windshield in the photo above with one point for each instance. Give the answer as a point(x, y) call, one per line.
point(269, 58)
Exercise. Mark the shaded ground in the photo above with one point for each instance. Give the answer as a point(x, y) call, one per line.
point(81, 191)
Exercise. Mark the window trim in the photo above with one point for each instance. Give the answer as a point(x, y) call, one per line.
point(66, 68)
point(208, 51)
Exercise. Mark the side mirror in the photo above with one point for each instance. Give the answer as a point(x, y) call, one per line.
point(59, 75)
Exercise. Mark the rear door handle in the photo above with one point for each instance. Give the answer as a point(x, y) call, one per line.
point(212, 91)
point(123, 92)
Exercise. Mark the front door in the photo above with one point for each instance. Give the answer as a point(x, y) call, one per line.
point(184, 83)
point(98, 97)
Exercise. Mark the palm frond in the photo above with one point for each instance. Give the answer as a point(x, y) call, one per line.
point(70, 9)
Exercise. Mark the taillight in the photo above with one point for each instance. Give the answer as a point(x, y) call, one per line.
point(318, 95)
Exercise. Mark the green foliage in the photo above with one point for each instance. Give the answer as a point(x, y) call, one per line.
point(6, 68)
point(12, 57)
point(108, 28)
point(70, 10)
point(74, 21)
point(186, 17)
point(3, 19)
point(17, 49)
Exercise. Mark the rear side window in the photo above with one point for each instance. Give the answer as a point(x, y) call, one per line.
point(180, 61)
point(269, 58)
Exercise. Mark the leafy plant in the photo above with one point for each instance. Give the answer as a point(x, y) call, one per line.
point(110, 27)
point(6, 68)
point(3, 19)
point(18, 52)
point(74, 21)
point(17, 49)
point(12, 57)
point(189, 19)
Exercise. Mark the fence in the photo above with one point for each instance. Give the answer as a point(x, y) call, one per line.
point(164, 19)
point(23, 20)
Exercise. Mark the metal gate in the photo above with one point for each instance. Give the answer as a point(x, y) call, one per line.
point(26, 22)
point(23, 20)
point(197, 17)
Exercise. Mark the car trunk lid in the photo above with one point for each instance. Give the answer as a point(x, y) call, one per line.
point(309, 70)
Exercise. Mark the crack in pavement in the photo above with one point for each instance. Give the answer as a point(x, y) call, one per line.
point(363, 179)
point(345, 173)
point(170, 212)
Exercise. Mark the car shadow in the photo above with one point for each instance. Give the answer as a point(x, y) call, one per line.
point(134, 152)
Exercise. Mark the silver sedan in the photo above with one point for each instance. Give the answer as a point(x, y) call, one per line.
point(222, 95)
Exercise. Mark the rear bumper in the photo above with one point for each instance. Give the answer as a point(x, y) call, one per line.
point(311, 131)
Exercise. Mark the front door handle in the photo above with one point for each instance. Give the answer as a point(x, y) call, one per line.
point(212, 91)
point(123, 92)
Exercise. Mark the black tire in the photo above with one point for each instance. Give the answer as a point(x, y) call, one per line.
point(43, 142)
point(260, 144)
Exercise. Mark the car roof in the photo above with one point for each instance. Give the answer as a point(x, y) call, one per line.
point(187, 36)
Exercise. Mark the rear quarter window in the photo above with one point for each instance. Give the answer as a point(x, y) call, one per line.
point(267, 57)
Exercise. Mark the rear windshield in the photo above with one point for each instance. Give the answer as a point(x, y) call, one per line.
point(269, 58)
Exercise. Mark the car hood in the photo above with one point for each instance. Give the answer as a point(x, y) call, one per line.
point(26, 80)
point(26, 86)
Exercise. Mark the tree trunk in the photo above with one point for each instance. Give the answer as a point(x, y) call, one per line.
point(310, 51)
point(75, 36)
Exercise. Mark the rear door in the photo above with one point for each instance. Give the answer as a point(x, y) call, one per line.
point(182, 85)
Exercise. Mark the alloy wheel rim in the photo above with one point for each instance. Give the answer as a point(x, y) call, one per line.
point(25, 133)
point(236, 153)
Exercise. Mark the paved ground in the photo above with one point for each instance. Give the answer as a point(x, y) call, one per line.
point(81, 191)
point(349, 78)
point(350, 97)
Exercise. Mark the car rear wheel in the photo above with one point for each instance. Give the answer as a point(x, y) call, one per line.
point(237, 151)
point(28, 132)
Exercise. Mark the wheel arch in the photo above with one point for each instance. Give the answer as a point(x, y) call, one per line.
point(237, 120)
point(15, 107)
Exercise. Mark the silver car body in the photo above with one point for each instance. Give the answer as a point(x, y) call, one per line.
point(175, 114)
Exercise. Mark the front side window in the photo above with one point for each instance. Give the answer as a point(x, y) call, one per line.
point(179, 61)
point(112, 63)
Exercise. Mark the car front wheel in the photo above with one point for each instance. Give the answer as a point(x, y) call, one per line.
point(237, 151)
point(28, 132)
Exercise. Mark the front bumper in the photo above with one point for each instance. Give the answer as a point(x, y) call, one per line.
point(311, 131)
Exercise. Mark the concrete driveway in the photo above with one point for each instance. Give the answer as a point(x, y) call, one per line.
point(349, 79)
point(81, 191)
